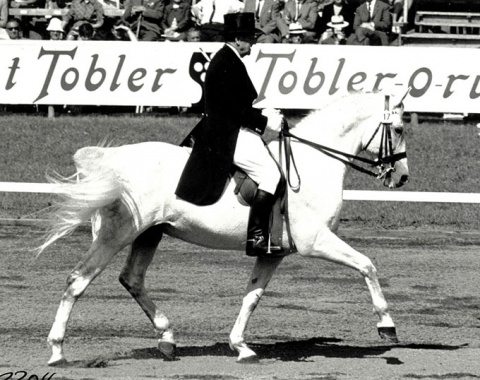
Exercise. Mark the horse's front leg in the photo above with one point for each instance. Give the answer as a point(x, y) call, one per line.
point(330, 247)
point(261, 275)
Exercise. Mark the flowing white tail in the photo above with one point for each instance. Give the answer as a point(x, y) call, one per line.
point(82, 194)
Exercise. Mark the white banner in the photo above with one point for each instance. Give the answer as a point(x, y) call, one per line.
point(286, 76)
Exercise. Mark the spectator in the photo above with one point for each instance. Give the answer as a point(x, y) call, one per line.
point(176, 20)
point(81, 11)
point(122, 32)
point(303, 12)
point(55, 29)
point(145, 18)
point(208, 15)
point(336, 8)
point(296, 33)
point(267, 15)
point(371, 24)
point(194, 34)
point(3, 13)
point(14, 29)
point(85, 32)
point(3, 19)
point(32, 27)
point(335, 35)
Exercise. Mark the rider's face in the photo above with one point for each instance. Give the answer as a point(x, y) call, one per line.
point(244, 45)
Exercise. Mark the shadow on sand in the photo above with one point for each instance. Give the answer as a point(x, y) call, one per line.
point(288, 351)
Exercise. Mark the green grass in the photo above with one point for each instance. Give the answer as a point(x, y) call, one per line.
point(443, 157)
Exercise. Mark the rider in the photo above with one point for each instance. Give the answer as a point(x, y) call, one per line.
point(230, 133)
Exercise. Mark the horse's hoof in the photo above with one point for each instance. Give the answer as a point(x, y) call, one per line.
point(58, 363)
point(167, 350)
point(253, 359)
point(388, 333)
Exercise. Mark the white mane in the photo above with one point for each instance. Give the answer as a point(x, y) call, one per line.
point(341, 113)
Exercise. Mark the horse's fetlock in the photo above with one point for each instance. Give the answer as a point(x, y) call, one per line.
point(54, 341)
point(162, 325)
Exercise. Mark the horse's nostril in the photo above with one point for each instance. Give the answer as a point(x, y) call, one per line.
point(404, 178)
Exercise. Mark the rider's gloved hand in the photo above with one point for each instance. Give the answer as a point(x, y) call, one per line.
point(275, 119)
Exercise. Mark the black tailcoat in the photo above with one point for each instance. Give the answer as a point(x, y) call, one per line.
point(229, 95)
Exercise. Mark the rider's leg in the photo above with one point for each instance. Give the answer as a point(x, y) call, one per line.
point(252, 157)
point(258, 226)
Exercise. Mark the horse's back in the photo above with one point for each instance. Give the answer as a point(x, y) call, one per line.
point(137, 155)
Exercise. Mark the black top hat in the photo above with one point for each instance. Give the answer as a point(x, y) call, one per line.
point(240, 25)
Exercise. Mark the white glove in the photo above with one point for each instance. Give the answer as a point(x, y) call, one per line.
point(275, 119)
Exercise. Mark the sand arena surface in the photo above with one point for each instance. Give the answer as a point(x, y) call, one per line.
point(314, 322)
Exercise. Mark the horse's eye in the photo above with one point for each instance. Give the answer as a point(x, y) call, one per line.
point(398, 130)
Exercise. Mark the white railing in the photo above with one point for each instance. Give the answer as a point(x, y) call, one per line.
point(351, 195)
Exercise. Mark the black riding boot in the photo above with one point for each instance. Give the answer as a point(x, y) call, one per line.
point(257, 233)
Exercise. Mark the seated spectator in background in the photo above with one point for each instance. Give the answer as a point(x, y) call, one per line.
point(33, 27)
point(14, 29)
point(81, 11)
point(3, 19)
point(55, 30)
point(145, 18)
point(121, 32)
point(335, 34)
point(371, 24)
point(176, 20)
point(3, 13)
point(194, 34)
point(303, 12)
point(296, 33)
point(85, 32)
point(337, 8)
point(208, 15)
point(267, 14)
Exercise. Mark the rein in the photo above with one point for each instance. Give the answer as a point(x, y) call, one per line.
point(385, 160)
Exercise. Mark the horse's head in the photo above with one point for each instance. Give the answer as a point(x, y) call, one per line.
point(387, 143)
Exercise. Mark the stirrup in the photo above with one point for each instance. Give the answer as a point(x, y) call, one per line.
point(259, 246)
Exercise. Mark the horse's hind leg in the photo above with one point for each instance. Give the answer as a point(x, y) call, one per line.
point(133, 279)
point(261, 276)
point(330, 247)
point(97, 258)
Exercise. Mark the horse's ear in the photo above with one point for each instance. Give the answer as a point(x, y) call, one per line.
point(400, 103)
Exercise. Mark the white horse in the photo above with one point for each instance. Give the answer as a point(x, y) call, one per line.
point(128, 193)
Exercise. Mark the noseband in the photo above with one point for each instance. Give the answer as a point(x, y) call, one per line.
point(386, 158)
point(385, 162)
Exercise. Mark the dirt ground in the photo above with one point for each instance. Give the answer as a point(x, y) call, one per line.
point(315, 321)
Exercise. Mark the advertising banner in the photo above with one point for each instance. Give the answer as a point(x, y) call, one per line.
point(285, 76)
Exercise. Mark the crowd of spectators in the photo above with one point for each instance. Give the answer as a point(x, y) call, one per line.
point(364, 22)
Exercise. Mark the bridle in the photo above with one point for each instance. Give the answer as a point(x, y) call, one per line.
point(385, 161)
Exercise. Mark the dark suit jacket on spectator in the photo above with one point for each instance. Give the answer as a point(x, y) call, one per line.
point(152, 16)
point(307, 18)
point(180, 13)
point(267, 20)
point(348, 13)
point(382, 20)
point(381, 16)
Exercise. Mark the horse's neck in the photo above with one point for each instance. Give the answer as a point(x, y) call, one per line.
point(344, 134)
